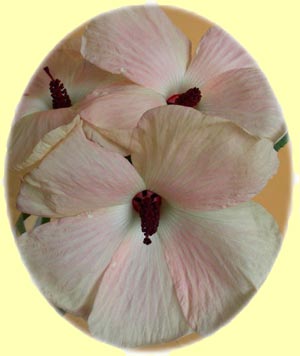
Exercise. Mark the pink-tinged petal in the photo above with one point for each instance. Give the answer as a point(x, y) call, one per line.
point(218, 260)
point(198, 161)
point(136, 304)
point(115, 140)
point(217, 52)
point(118, 106)
point(78, 76)
point(67, 257)
point(245, 97)
point(141, 43)
point(76, 177)
point(72, 41)
point(29, 141)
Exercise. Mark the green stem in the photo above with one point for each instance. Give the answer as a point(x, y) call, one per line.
point(281, 142)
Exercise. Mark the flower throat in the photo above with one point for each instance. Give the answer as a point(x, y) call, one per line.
point(190, 98)
point(147, 204)
point(59, 94)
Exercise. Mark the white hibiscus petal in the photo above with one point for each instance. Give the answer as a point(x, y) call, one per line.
point(118, 106)
point(218, 259)
point(115, 140)
point(78, 176)
point(35, 135)
point(67, 257)
point(136, 304)
point(245, 97)
point(141, 43)
point(200, 162)
point(217, 53)
point(78, 76)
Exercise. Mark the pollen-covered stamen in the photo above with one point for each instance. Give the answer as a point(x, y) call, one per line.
point(190, 98)
point(147, 204)
point(59, 94)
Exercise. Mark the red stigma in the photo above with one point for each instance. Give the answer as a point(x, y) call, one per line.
point(190, 98)
point(147, 204)
point(60, 97)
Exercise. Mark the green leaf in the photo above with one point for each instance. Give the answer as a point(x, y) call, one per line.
point(20, 226)
point(44, 220)
point(281, 142)
point(41, 220)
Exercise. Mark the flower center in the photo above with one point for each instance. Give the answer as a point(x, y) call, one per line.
point(190, 98)
point(147, 204)
point(60, 97)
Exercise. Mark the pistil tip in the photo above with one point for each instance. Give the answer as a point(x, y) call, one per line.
point(147, 241)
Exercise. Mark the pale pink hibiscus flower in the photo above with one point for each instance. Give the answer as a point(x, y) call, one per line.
point(220, 80)
point(206, 249)
point(52, 99)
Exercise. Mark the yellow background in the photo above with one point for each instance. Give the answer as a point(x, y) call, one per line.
point(269, 30)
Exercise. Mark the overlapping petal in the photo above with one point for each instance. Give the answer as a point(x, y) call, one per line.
point(217, 53)
point(29, 141)
point(76, 177)
point(209, 163)
point(119, 106)
point(35, 116)
point(115, 140)
point(203, 264)
point(136, 303)
point(141, 43)
point(245, 97)
point(200, 162)
point(218, 259)
point(78, 76)
point(67, 257)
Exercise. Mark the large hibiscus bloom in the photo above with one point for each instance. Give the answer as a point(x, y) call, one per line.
point(221, 79)
point(205, 252)
point(53, 97)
